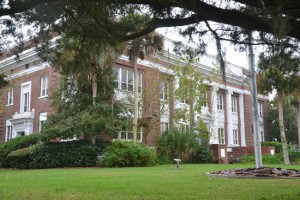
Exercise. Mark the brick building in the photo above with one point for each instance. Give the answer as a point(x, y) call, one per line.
point(25, 102)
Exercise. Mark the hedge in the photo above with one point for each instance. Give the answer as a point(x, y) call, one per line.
point(64, 154)
point(15, 144)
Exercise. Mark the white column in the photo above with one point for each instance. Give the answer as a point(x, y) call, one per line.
point(229, 118)
point(214, 113)
point(242, 120)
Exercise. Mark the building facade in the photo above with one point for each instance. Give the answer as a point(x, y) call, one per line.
point(227, 113)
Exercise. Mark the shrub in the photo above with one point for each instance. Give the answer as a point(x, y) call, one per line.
point(64, 154)
point(186, 145)
point(128, 154)
point(277, 145)
point(15, 144)
point(20, 158)
point(266, 159)
point(294, 156)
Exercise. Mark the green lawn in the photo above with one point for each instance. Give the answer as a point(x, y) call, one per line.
point(159, 182)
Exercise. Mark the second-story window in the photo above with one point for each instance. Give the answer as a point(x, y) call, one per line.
point(234, 104)
point(25, 97)
point(44, 86)
point(10, 96)
point(164, 90)
point(260, 109)
point(220, 102)
point(124, 78)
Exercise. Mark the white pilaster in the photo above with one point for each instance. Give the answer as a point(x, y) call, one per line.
point(229, 118)
point(242, 120)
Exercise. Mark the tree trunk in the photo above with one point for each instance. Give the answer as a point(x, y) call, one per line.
point(298, 123)
point(136, 99)
point(282, 129)
point(94, 87)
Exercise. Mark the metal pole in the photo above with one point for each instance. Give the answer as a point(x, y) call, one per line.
point(257, 145)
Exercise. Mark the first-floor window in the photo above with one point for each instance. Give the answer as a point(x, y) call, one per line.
point(221, 135)
point(10, 96)
point(42, 119)
point(8, 132)
point(164, 127)
point(128, 135)
point(235, 137)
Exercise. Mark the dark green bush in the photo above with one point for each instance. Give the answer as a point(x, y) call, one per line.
point(266, 159)
point(277, 145)
point(64, 154)
point(294, 156)
point(128, 154)
point(20, 158)
point(15, 144)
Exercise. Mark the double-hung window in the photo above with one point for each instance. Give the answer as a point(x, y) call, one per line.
point(221, 136)
point(235, 137)
point(164, 90)
point(260, 109)
point(220, 102)
point(44, 86)
point(42, 119)
point(10, 96)
point(234, 106)
point(25, 97)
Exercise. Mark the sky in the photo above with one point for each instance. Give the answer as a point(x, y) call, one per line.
point(233, 55)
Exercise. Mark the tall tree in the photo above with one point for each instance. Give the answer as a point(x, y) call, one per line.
point(138, 48)
point(278, 71)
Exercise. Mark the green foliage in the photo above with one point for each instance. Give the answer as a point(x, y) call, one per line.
point(20, 158)
point(266, 159)
point(187, 146)
point(15, 144)
point(294, 157)
point(64, 154)
point(128, 154)
point(277, 145)
point(290, 121)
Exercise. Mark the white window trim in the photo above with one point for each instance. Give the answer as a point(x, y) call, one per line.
point(234, 105)
point(10, 96)
point(221, 133)
point(44, 87)
point(164, 96)
point(260, 109)
point(235, 137)
point(42, 118)
point(220, 102)
point(22, 96)
point(7, 130)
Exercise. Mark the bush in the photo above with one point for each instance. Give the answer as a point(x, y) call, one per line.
point(294, 156)
point(128, 154)
point(20, 158)
point(277, 145)
point(64, 154)
point(186, 145)
point(15, 144)
point(266, 159)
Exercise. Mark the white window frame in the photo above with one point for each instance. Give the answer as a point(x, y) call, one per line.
point(205, 104)
point(235, 137)
point(164, 91)
point(164, 126)
point(44, 86)
point(10, 96)
point(25, 89)
point(8, 131)
point(42, 119)
point(260, 109)
point(221, 136)
point(220, 102)
point(234, 104)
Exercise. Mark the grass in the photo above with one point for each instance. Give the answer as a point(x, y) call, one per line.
point(159, 182)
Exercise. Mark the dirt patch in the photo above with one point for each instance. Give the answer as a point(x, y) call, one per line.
point(259, 172)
